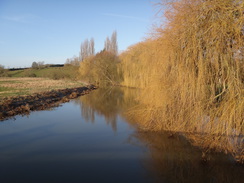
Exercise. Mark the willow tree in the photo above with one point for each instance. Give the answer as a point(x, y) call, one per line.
point(137, 62)
point(196, 62)
point(205, 43)
point(196, 81)
point(101, 69)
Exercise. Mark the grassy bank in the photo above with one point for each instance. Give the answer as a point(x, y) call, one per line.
point(25, 86)
point(67, 72)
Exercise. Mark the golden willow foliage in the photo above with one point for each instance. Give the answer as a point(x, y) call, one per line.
point(136, 64)
point(100, 69)
point(192, 70)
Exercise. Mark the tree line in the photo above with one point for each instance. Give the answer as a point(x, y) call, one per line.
point(98, 68)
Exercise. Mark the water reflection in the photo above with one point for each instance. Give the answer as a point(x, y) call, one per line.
point(107, 102)
point(172, 158)
point(64, 146)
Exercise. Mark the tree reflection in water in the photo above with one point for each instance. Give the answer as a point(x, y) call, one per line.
point(173, 158)
point(107, 102)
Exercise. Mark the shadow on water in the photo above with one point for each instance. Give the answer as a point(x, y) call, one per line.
point(172, 158)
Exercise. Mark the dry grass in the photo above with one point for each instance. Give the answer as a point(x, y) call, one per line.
point(25, 86)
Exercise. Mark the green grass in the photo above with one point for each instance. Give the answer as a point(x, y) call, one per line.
point(3, 89)
point(25, 86)
point(67, 72)
point(8, 92)
point(13, 81)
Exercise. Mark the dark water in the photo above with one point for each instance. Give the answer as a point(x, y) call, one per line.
point(90, 139)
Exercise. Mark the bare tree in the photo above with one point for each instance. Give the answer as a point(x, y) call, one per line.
point(68, 61)
point(114, 44)
point(34, 65)
point(111, 44)
point(75, 61)
point(40, 64)
point(87, 49)
point(107, 44)
point(84, 50)
point(92, 47)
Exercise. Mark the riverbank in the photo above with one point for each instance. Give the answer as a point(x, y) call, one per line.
point(12, 106)
point(11, 87)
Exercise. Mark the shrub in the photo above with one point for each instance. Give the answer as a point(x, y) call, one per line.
point(101, 69)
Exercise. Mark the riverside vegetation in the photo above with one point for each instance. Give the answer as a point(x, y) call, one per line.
point(191, 72)
point(38, 88)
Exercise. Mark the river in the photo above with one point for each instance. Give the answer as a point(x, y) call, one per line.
point(91, 139)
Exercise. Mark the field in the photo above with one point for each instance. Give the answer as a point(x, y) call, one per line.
point(67, 72)
point(25, 86)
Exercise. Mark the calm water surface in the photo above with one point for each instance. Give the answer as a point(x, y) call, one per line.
point(90, 139)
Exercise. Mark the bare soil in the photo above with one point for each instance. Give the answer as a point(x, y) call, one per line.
point(12, 106)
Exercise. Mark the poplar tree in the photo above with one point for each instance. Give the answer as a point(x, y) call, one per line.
point(111, 44)
point(87, 49)
point(114, 44)
point(107, 44)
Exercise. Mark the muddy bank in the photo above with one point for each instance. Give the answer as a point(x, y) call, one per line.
point(39, 101)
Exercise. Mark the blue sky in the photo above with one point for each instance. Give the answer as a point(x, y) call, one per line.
point(52, 30)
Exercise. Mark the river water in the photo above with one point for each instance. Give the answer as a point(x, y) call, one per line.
point(90, 139)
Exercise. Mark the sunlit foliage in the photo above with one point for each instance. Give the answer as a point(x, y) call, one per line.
point(192, 69)
point(100, 69)
point(136, 64)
